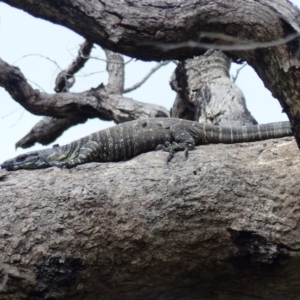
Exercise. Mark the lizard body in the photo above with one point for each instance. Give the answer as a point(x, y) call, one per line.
point(130, 139)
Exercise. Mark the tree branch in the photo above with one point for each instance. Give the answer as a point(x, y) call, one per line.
point(235, 77)
point(152, 71)
point(138, 27)
point(48, 130)
point(193, 19)
point(62, 83)
point(115, 68)
point(148, 226)
point(98, 102)
point(68, 109)
point(206, 94)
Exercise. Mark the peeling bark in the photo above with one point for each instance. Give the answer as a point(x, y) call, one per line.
point(223, 224)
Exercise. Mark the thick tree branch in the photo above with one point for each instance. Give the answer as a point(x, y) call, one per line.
point(116, 70)
point(62, 82)
point(157, 231)
point(48, 130)
point(138, 27)
point(96, 102)
point(205, 92)
point(16, 84)
point(157, 22)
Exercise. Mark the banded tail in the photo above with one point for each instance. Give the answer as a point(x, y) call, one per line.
point(230, 135)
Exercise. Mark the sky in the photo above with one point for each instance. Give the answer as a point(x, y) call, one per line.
point(34, 45)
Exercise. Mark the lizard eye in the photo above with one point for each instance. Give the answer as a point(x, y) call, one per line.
point(21, 157)
point(28, 156)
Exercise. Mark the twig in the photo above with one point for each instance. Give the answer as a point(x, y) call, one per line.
point(3, 117)
point(65, 79)
point(234, 78)
point(20, 117)
point(153, 70)
point(240, 45)
point(53, 61)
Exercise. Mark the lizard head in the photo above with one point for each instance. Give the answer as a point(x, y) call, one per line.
point(30, 160)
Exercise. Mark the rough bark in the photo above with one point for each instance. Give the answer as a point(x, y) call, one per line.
point(95, 102)
point(205, 92)
point(102, 102)
point(222, 225)
point(254, 31)
point(47, 130)
point(115, 69)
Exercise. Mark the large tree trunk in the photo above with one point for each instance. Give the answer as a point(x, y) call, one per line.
point(223, 224)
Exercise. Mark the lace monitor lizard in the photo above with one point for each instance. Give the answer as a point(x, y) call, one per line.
point(132, 138)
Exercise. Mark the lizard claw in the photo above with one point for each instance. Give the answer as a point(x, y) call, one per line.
point(186, 150)
point(170, 156)
point(166, 147)
point(159, 147)
point(186, 153)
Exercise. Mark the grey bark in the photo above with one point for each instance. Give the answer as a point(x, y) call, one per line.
point(48, 130)
point(254, 31)
point(102, 102)
point(205, 92)
point(116, 72)
point(65, 79)
point(222, 225)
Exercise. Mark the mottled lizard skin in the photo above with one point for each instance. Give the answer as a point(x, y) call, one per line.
point(130, 139)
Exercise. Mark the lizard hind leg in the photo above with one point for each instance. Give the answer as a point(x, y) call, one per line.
point(183, 140)
point(165, 147)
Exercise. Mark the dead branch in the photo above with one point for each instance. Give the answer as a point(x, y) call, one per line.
point(115, 68)
point(235, 77)
point(143, 80)
point(62, 82)
point(48, 130)
point(95, 103)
